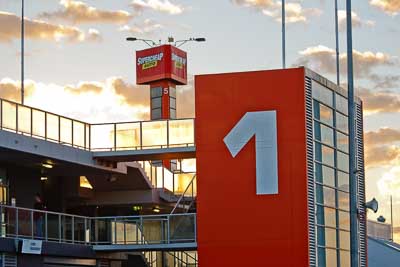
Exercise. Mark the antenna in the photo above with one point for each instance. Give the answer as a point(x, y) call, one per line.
point(22, 52)
point(283, 34)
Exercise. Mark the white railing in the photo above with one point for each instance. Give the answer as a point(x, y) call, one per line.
point(139, 135)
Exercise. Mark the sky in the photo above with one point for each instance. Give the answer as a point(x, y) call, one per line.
point(78, 63)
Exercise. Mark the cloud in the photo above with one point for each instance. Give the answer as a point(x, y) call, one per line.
point(383, 136)
point(357, 22)
point(391, 7)
point(85, 87)
point(36, 30)
point(185, 101)
point(378, 156)
point(131, 94)
point(94, 36)
point(79, 13)
point(148, 27)
point(379, 101)
point(164, 6)
point(389, 184)
point(323, 59)
point(385, 81)
point(272, 8)
point(11, 90)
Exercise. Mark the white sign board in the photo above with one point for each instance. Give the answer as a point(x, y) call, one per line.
point(32, 246)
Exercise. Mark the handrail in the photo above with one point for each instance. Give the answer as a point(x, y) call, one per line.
point(25, 223)
point(183, 194)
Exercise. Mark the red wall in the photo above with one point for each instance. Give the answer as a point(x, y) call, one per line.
point(235, 226)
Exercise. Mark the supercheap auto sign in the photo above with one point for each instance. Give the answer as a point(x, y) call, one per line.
point(160, 63)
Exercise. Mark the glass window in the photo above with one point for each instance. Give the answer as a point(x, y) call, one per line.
point(344, 200)
point(323, 133)
point(343, 181)
point(344, 220)
point(326, 237)
point(344, 259)
point(344, 238)
point(172, 92)
point(172, 102)
point(321, 257)
point(331, 258)
point(156, 102)
point(325, 195)
point(181, 132)
point(172, 113)
point(341, 104)
point(342, 122)
point(66, 130)
point(154, 134)
point(342, 161)
point(322, 93)
point(324, 174)
point(128, 135)
point(326, 216)
point(342, 142)
point(156, 114)
point(156, 92)
point(323, 113)
point(9, 115)
point(324, 154)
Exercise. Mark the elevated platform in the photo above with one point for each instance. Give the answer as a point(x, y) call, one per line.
point(147, 154)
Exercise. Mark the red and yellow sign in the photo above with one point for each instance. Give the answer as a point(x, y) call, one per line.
point(244, 218)
point(164, 62)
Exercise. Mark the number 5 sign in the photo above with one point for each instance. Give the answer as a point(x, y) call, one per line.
point(262, 125)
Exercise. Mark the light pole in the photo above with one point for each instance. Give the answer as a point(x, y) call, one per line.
point(22, 51)
point(150, 43)
point(283, 34)
point(352, 145)
point(179, 43)
point(337, 44)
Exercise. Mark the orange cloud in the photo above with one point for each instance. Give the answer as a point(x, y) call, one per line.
point(392, 7)
point(357, 22)
point(379, 101)
point(383, 136)
point(78, 12)
point(11, 90)
point(148, 27)
point(294, 11)
point(378, 156)
point(324, 59)
point(36, 30)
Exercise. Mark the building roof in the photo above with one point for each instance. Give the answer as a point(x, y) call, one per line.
point(383, 253)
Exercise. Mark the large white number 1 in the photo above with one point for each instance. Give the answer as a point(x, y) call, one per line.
point(262, 124)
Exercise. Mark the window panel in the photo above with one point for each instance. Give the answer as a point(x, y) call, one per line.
point(342, 161)
point(321, 257)
point(156, 102)
point(326, 216)
point(172, 92)
point(342, 142)
point(322, 93)
point(345, 259)
point(326, 237)
point(325, 195)
point(156, 92)
point(344, 238)
point(342, 122)
point(172, 102)
point(324, 174)
point(341, 104)
point(344, 200)
point(323, 113)
point(172, 113)
point(331, 258)
point(344, 220)
point(343, 181)
point(324, 154)
point(156, 114)
point(323, 133)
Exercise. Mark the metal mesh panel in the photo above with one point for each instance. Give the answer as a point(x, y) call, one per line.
point(310, 175)
point(362, 227)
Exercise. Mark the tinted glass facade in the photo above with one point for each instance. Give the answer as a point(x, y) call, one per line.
point(331, 176)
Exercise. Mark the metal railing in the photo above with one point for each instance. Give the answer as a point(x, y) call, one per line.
point(45, 125)
point(161, 177)
point(22, 223)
